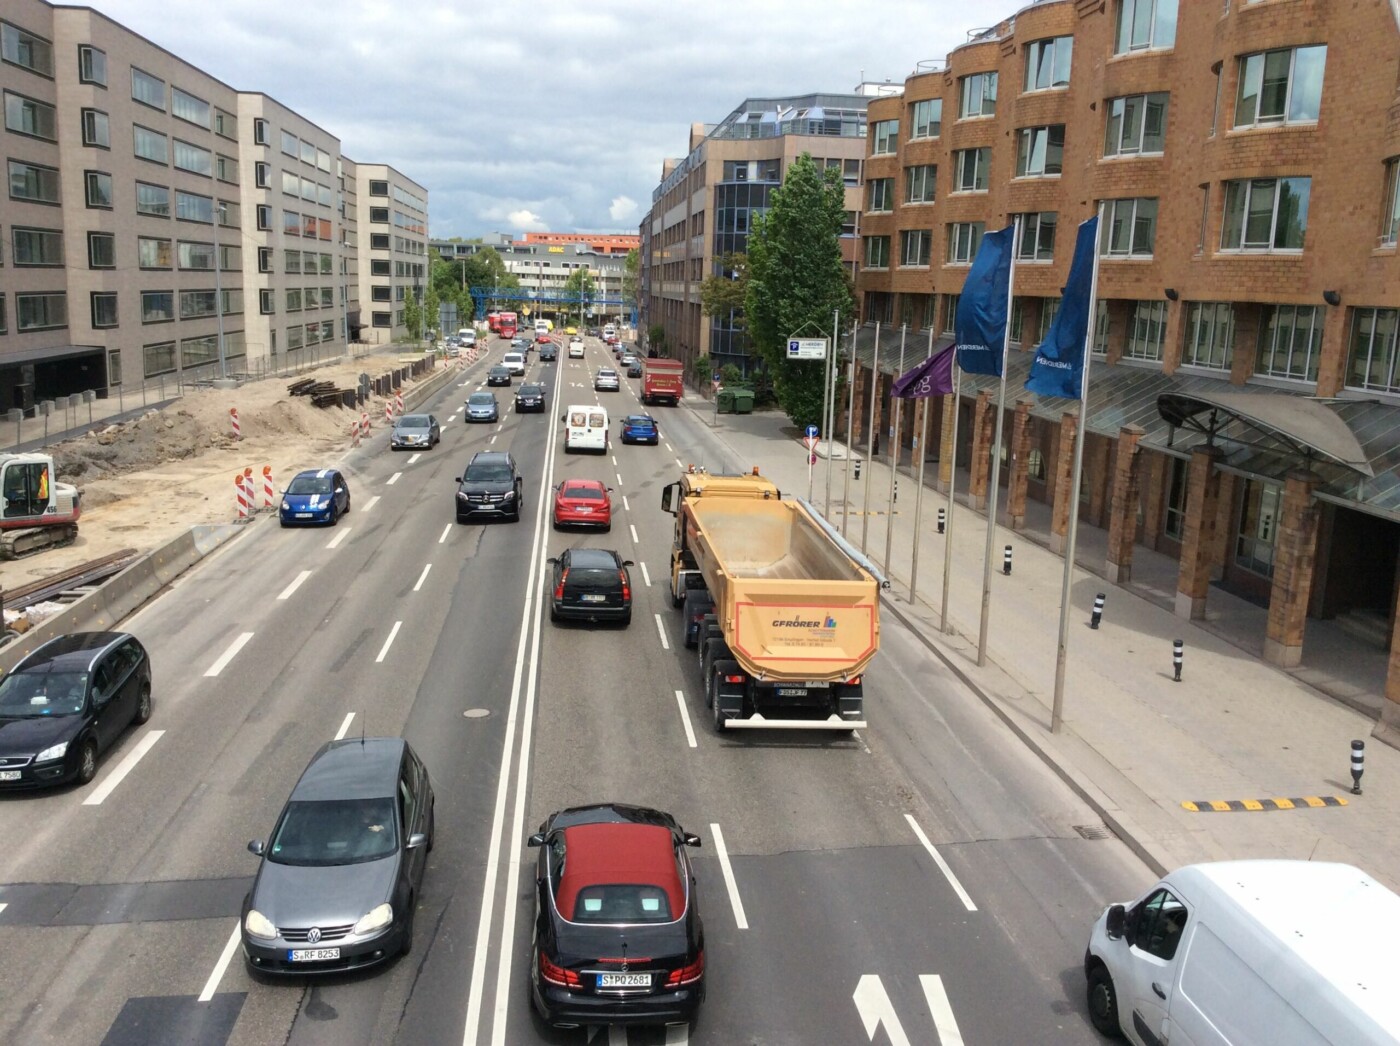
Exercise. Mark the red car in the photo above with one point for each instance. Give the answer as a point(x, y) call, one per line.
point(583, 503)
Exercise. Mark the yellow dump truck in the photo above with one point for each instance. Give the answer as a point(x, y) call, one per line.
point(783, 612)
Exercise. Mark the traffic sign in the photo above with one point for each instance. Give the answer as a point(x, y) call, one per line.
point(806, 349)
point(812, 430)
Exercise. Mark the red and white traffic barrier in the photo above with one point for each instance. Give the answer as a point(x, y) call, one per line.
point(242, 497)
point(398, 400)
point(267, 487)
point(354, 433)
point(389, 414)
point(364, 423)
point(237, 428)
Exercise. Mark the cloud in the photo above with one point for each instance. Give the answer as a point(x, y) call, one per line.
point(623, 210)
point(525, 220)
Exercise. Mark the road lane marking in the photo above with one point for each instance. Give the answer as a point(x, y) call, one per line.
point(677, 1035)
point(685, 718)
point(491, 440)
point(388, 642)
point(334, 542)
point(645, 576)
point(413, 457)
point(228, 655)
point(614, 457)
point(3, 906)
point(678, 463)
point(619, 479)
point(661, 631)
point(949, 1034)
point(875, 1008)
point(669, 447)
point(422, 577)
point(110, 782)
point(370, 504)
point(625, 507)
point(445, 531)
point(344, 726)
point(740, 919)
point(633, 528)
point(392, 479)
point(212, 984)
point(286, 593)
point(942, 864)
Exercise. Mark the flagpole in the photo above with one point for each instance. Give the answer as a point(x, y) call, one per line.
point(952, 483)
point(829, 403)
point(870, 439)
point(1062, 649)
point(850, 422)
point(994, 472)
point(922, 446)
point(894, 458)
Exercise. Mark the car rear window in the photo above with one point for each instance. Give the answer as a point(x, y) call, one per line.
point(625, 903)
point(597, 421)
point(334, 831)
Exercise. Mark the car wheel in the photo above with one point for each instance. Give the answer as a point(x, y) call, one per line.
point(335, 516)
point(143, 706)
point(347, 502)
point(1103, 1002)
point(87, 762)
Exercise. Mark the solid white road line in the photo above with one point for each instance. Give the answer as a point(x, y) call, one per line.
point(109, 784)
point(370, 504)
point(286, 593)
point(392, 479)
point(740, 919)
point(661, 631)
point(422, 577)
point(685, 718)
point(949, 1034)
point(228, 655)
point(633, 527)
point(388, 642)
point(340, 536)
point(942, 864)
point(445, 531)
point(645, 576)
point(3, 906)
point(212, 984)
point(413, 457)
point(344, 726)
point(625, 507)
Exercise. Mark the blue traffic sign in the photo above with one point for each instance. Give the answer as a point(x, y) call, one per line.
point(812, 430)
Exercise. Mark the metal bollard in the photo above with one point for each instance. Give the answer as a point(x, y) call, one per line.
point(1006, 560)
point(1098, 610)
point(1178, 652)
point(895, 495)
point(857, 468)
point(1358, 765)
point(942, 520)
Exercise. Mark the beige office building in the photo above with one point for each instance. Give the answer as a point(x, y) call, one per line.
point(392, 214)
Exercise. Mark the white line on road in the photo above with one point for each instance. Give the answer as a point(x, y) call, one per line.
point(942, 864)
point(344, 726)
point(491, 440)
point(619, 479)
point(678, 463)
point(740, 919)
point(286, 593)
point(645, 576)
point(370, 504)
point(212, 984)
point(625, 507)
point(661, 631)
point(388, 642)
point(445, 531)
point(677, 1035)
point(614, 457)
point(633, 528)
point(669, 447)
point(109, 784)
point(949, 1034)
point(685, 718)
point(228, 655)
point(392, 479)
point(422, 577)
point(340, 536)
point(414, 457)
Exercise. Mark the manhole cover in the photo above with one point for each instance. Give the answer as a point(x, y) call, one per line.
point(1094, 831)
point(477, 713)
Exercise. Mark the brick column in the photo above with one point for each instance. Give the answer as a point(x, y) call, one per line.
point(1387, 728)
point(1198, 537)
point(1020, 454)
point(1153, 479)
point(983, 419)
point(858, 407)
point(1123, 506)
point(1295, 556)
point(947, 453)
point(1064, 475)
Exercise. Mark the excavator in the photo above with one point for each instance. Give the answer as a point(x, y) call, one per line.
point(36, 511)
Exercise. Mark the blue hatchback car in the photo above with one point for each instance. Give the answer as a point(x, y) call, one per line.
point(640, 428)
point(315, 496)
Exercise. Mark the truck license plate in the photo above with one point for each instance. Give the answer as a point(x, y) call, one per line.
point(312, 954)
point(792, 691)
point(624, 980)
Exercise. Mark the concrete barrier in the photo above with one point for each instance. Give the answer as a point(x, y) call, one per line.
point(424, 390)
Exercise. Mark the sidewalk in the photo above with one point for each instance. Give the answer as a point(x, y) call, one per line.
point(1134, 743)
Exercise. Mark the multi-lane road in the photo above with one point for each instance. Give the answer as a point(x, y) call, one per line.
point(921, 882)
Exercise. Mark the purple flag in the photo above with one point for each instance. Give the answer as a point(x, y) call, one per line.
point(933, 377)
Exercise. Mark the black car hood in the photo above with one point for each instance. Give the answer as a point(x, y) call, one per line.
point(334, 895)
point(31, 736)
point(483, 487)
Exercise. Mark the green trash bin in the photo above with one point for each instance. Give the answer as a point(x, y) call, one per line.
point(743, 401)
point(724, 401)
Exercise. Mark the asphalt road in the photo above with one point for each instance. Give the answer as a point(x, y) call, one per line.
point(926, 875)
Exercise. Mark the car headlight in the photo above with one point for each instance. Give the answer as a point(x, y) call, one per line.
point(461, 496)
point(256, 924)
point(286, 507)
point(509, 496)
point(53, 752)
point(378, 918)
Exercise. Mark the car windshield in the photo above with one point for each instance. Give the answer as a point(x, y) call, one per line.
point(334, 831)
point(584, 493)
point(529, 390)
point(496, 372)
point(413, 421)
point(310, 485)
point(481, 399)
point(29, 695)
point(622, 903)
point(492, 472)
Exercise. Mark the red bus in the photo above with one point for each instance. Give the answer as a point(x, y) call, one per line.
point(505, 325)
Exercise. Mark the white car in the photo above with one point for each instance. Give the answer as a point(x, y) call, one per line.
point(575, 350)
point(515, 363)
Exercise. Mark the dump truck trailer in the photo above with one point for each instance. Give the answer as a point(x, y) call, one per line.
point(783, 613)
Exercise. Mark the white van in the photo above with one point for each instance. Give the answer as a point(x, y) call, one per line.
point(1289, 953)
point(541, 327)
point(515, 363)
point(586, 428)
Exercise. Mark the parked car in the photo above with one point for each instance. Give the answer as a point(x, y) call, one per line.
point(640, 428)
point(340, 877)
point(529, 398)
point(315, 496)
point(67, 702)
point(582, 502)
point(415, 430)
point(498, 375)
point(482, 406)
point(618, 937)
point(491, 486)
point(548, 352)
point(591, 584)
point(606, 380)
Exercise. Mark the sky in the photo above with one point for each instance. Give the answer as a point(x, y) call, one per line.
point(535, 115)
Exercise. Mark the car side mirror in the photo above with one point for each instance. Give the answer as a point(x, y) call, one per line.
point(415, 840)
point(535, 840)
point(256, 847)
point(553, 560)
point(691, 839)
point(456, 479)
point(1115, 921)
point(627, 563)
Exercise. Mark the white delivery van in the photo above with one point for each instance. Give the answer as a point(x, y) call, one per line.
point(1235, 953)
point(586, 428)
point(467, 336)
point(541, 327)
point(515, 363)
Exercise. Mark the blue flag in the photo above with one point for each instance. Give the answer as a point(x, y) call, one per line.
point(981, 319)
point(1058, 366)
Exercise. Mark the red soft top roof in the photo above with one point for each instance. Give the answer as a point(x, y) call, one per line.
point(596, 854)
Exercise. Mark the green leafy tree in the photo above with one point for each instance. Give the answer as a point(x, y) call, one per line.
point(580, 282)
point(413, 314)
point(725, 291)
point(631, 279)
point(432, 312)
point(796, 280)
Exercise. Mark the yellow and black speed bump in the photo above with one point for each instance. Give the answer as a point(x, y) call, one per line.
point(1223, 806)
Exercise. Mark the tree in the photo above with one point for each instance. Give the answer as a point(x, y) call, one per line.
point(413, 314)
point(631, 277)
point(725, 291)
point(432, 311)
point(580, 283)
point(796, 280)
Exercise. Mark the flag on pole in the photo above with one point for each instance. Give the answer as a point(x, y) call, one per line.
point(932, 377)
point(981, 319)
point(1058, 366)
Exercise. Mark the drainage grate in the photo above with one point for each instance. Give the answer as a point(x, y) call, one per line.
point(1094, 831)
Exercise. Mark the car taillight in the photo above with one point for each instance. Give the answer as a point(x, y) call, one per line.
point(556, 974)
point(853, 681)
point(559, 588)
point(686, 974)
point(733, 679)
point(626, 588)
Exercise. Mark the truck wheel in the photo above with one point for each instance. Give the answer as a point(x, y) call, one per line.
point(1103, 1002)
point(712, 699)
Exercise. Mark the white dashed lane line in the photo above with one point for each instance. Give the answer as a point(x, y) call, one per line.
point(619, 479)
point(286, 593)
point(212, 984)
point(685, 718)
point(370, 503)
point(393, 479)
point(633, 527)
point(384, 650)
point(740, 919)
point(228, 655)
point(646, 576)
point(942, 865)
point(340, 536)
point(445, 531)
point(413, 458)
point(345, 726)
point(678, 463)
point(109, 784)
point(661, 631)
point(422, 577)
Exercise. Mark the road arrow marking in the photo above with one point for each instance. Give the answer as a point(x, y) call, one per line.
point(940, 1010)
point(876, 1009)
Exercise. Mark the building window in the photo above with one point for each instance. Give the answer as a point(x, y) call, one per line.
point(104, 309)
point(21, 47)
point(379, 319)
point(267, 302)
point(877, 252)
point(37, 312)
point(1265, 214)
point(187, 107)
point(191, 207)
point(148, 89)
point(225, 125)
point(291, 261)
point(1283, 86)
point(1374, 354)
point(36, 248)
point(114, 368)
point(159, 359)
point(197, 304)
point(308, 153)
point(1038, 237)
point(1174, 518)
point(150, 145)
point(193, 158)
point(152, 199)
point(978, 95)
point(379, 215)
point(291, 184)
point(264, 259)
point(1047, 63)
point(327, 297)
point(1219, 91)
point(230, 257)
point(881, 194)
point(230, 214)
point(97, 131)
point(1259, 514)
point(293, 299)
point(378, 188)
point(1101, 325)
point(1136, 125)
point(884, 135)
point(963, 240)
point(198, 352)
point(195, 255)
point(1131, 228)
point(379, 241)
point(914, 247)
point(1390, 203)
point(1048, 308)
point(1145, 25)
point(1040, 151)
point(92, 65)
point(102, 250)
point(950, 312)
point(920, 183)
point(294, 336)
point(927, 118)
point(380, 267)
point(261, 132)
point(289, 144)
point(157, 306)
point(30, 181)
point(1291, 342)
point(1147, 331)
point(98, 189)
point(30, 116)
point(153, 253)
point(381, 294)
point(262, 175)
point(971, 169)
point(1210, 335)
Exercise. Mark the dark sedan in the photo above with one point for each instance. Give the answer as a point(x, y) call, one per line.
point(548, 352)
point(315, 496)
point(529, 398)
point(415, 430)
point(66, 703)
point(591, 584)
point(338, 884)
point(498, 376)
point(618, 934)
